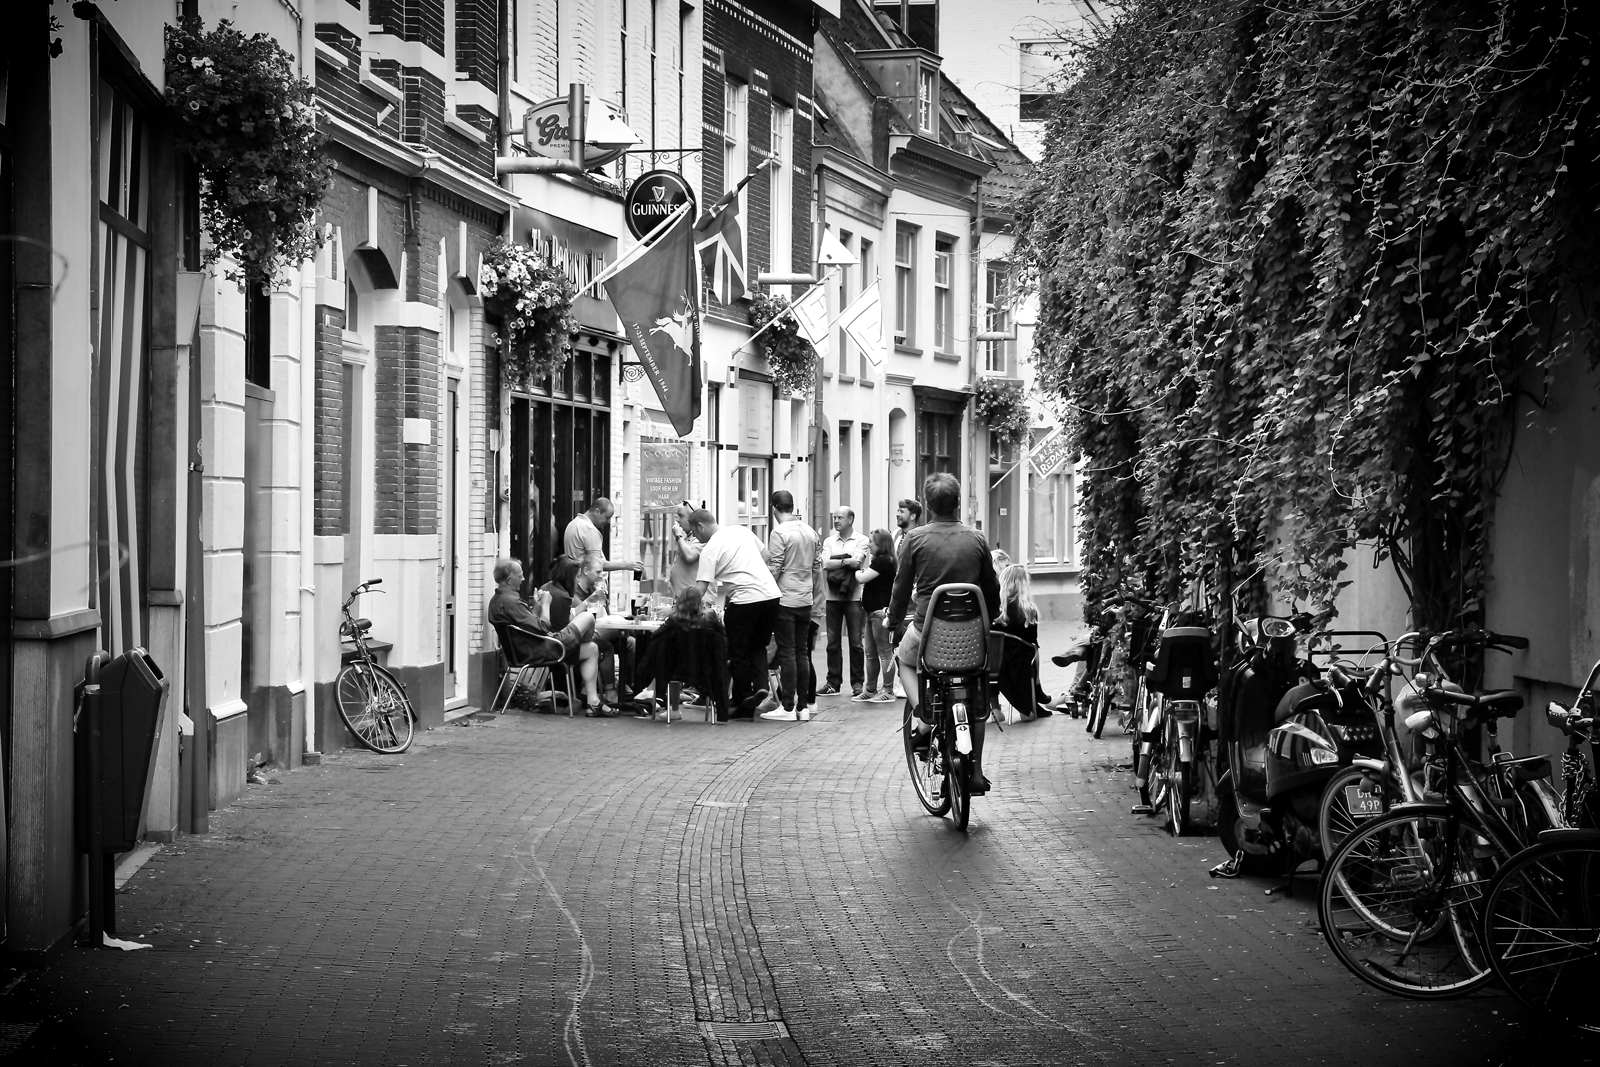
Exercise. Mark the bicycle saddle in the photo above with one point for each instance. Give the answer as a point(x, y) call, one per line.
point(1502, 703)
point(360, 626)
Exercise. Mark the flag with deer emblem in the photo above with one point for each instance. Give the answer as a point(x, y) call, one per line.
point(658, 302)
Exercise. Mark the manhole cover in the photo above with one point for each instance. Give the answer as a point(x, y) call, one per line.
point(758, 1031)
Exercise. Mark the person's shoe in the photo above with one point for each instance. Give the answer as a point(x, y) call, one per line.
point(882, 696)
point(862, 695)
point(921, 733)
point(855, 691)
point(804, 714)
point(781, 715)
point(768, 706)
point(601, 711)
point(646, 710)
point(645, 695)
point(979, 786)
point(1025, 715)
point(1044, 710)
point(828, 691)
point(1061, 661)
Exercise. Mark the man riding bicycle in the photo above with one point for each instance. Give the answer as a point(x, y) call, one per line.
point(942, 551)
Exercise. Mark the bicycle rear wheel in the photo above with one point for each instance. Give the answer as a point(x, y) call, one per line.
point(1542, 927)
point(1102, 706)
point(1401, 901)
point(927, 769)
point(374, 708)
point(955, 787)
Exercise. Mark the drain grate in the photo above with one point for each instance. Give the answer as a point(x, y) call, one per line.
point(757, 1031)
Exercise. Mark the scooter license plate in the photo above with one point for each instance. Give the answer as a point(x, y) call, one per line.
point(1363, 800)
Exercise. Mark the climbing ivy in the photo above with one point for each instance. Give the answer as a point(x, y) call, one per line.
point(1298, 266)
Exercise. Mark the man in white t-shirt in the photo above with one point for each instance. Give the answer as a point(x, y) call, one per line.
point(732, 557)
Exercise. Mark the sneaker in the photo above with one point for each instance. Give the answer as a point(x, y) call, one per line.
point(1044, 711)
point(804, 714)
point(883, 696)
point(645, 695)
point(920, 735)
point(780, 715)
point(855, 691)
point(768, 706)
point(828, 691)
point(863, 695)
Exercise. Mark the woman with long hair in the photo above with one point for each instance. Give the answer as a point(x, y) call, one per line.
point(1019, 616)
point(877, 644)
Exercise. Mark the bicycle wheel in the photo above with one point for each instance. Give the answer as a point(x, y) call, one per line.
point(1179, 783)
point(374, 708)
point(1102, 706)
point(1341, 812)
point(1154, 790)
point(1542, 927)
point(1401, 901)
point(955, 787)
point(926, 769)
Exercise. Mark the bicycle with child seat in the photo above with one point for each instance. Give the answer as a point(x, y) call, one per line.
point(953, 685)
point(372, 702)
point(1402, 899)
point(1541, 917)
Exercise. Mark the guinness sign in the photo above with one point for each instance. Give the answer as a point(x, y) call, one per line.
point(652, 197)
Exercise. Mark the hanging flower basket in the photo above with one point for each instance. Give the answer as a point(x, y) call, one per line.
point(790, 357)
point(1001, 405)
point(534, 302)
point(250, 125)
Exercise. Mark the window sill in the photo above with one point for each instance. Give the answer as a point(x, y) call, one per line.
point(947, 357)
point(1049, 569)
point(867, 383)
point(259, 392)
point(846, 379)
point(907, 350)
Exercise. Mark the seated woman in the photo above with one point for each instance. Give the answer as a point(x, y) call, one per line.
point(1019, 676)
point(507, 607)
point(689, 613)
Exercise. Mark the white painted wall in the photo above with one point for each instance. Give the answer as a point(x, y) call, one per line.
point(222, 314)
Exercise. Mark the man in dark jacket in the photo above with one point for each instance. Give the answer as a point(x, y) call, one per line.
point(942, 551)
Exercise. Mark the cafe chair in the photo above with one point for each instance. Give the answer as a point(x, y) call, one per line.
point(698, 657)
point(537, 672)
point(1011, 659)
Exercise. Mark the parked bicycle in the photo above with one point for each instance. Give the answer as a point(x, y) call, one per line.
point(372, 702)
point(1402, 899)
point(1541, 916)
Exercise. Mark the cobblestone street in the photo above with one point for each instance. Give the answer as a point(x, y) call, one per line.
point(544, 890)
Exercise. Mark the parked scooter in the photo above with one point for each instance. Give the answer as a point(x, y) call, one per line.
point(1285, 731)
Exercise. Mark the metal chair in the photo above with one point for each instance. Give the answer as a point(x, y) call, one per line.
point(537, 670)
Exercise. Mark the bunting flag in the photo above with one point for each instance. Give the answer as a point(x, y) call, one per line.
point(811, 312)
point(719, 240)
point(833, 253)
point(863, 321)
point(657, 299)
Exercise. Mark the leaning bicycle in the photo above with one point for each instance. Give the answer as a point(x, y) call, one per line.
point(372, 702)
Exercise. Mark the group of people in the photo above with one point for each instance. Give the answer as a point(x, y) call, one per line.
point(863, 591)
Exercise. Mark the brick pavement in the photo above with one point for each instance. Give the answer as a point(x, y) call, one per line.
point(543, 890)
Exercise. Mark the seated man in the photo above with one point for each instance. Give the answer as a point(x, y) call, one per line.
point(943, 551)
point(616, 647)
point(576, 635)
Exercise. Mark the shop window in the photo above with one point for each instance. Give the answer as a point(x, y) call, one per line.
point(753, 488)
point(258, 336)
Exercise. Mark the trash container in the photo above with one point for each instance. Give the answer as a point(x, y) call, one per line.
point(116, 733)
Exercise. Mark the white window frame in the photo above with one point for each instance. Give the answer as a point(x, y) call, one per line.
point(944, 296)
point(735, 134)
point(997, 316)
point(781, 187)
point(905, 286)
point(927, 99)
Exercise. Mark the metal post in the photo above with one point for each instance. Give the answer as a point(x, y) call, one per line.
point(97, 859)
point(577, 123)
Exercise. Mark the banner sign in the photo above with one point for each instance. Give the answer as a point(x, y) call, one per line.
point(663, 473)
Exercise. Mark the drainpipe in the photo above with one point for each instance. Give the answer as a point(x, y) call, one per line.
point(972, 361)
point(308, 447)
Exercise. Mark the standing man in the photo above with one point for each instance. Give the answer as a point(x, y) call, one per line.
point(792, 557)
point(843, 554)
point(906, 518)
point(686, 560)
point(583, 535)
point(732, 556)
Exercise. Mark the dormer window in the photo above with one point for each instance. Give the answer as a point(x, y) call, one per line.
point(927, 99)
